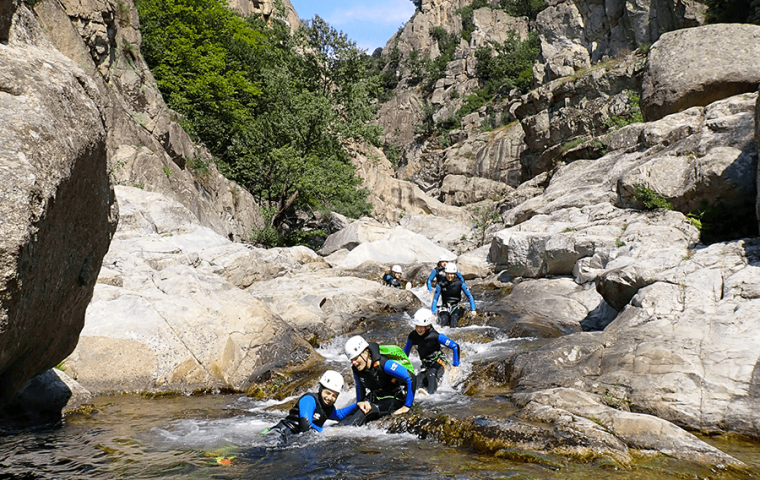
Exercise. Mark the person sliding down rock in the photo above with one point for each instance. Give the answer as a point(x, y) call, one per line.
point(428, 342)
point(393, 278)
point(383, 386)
point(450, 291)
point(313, 409)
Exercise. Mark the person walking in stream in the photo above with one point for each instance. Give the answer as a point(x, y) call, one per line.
point(313, 409)
point(438, 274)
point(428, 342)
point(450, 292)
point(383, 386)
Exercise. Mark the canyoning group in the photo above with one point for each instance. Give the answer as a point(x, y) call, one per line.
point(383, 374)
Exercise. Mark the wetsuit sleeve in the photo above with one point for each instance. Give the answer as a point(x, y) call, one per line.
point(399, 371)
point(408, 346)
point(469, 295)
point(430, 280)
point(343, 412)
point(359, 389)
point(306, 407)
point(447, 342)
point(434, 306)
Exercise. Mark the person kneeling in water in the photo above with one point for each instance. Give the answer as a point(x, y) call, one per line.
point(391, 388)
point(313, 409)
point(428, 342)
point(393, 278)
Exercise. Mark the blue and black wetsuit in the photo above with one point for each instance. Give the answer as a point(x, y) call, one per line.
point(438, 275)
point(386, 385)
point(451, 294)
point(309, 412)
point(391, 281)
point(433, 360)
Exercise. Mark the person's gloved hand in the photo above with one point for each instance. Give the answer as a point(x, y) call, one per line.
point(473, 312)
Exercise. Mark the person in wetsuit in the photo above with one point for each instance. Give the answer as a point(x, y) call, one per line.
point(450, 292)
point(313, 409)
point(438, 275)
point(393, 278)
point(428, 342)
point(383, 386)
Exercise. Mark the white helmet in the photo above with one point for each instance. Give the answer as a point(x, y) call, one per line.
point(355, 346)
point(443, 258)
point(450, 268)
point(396, 269)
point(423, 317)
point(332, 380)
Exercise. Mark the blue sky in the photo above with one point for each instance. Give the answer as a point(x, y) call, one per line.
point(369, 23)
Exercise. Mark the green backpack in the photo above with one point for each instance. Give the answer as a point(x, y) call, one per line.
point(395, 353)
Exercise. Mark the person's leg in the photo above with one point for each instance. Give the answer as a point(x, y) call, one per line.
point(282, 432)
point(456, 314)
point(359, 418)
point(421, 380)
point(389, 405)
point(444, 318)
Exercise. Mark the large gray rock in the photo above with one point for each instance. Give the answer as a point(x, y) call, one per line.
point(165, 316)
point(709, 152)
point(635, 430)
point(685, 349)
point(576, 34)
point(397, 246)
point(57, 210)
point(393, 198)
point(356, 233)
point(697, 66)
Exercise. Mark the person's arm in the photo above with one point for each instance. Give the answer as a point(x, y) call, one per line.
point(434, 306)
point(469, 295)
point(430, 280)
point(343, 412)
point(399, 371)
point(408, 346)
point(447, 342)
point(306, 407)
point(359, 389)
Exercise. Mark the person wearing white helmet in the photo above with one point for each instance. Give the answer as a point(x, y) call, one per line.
point(428, 342)
point(392, 278)
point(450, 292)
point(383, 386)
point(313, 409)
point(438, 275)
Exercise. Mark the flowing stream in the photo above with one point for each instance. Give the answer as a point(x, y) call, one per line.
point(218, 436)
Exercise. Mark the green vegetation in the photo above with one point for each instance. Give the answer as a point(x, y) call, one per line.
point(484, 217)
point(634, 116)
point(392, 153)
point(573, 143)
point(512, 67)
point(651, 199)
point(275, 109)
point(523, 8)
point(167, 172)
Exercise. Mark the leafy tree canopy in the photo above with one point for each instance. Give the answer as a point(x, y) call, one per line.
point(275, 109)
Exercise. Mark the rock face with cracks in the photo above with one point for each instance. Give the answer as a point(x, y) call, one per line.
point(57, 211)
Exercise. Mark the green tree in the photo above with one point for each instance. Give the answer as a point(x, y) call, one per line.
point(277, 110)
